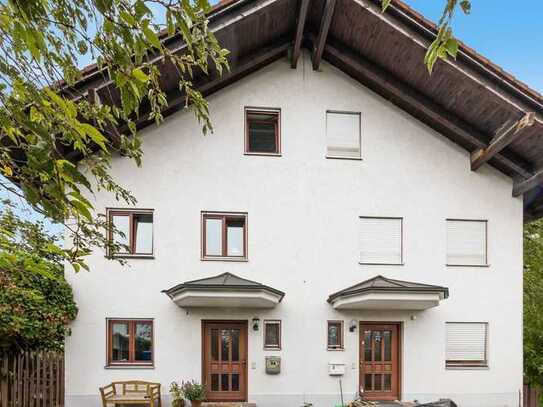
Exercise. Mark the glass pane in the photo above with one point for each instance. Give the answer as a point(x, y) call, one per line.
point(377, 346)
point(143, 342)
point(214, 382)
point(121, 235)
point(119, 342)
point(224, 382)
point(367, 346)
point(377, 380)
point(225, 344)
point(235, 345)
point(367, 382)
point(214, 344)
point(387, 339)
point(387, 383)
point(262, 137)
point(272, 335)
point(333, 335)
point(213, 234)
point(234, 237)
point(235, 382)
point(143, 232)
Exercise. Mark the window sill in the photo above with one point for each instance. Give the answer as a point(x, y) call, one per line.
point(129, 366)
point(460, 367)
point(131, 256)
point(468, 265)
point(332, 157)
point(238, 259)
point(272, 349)
point(381, 264)
point(335, 349)
point(263, 154)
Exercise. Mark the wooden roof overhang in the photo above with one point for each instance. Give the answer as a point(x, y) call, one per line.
point(474, 103)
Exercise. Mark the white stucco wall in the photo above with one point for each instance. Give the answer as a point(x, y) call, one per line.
point(303, 214)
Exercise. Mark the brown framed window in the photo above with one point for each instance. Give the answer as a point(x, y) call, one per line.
point(466, 344)
point(131, 231)
point(224, 236)
point(262, 131)
point(272, 334)
point(335, 335)
point(129, 342)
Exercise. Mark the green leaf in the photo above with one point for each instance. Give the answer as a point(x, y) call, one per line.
point(94, 134)
point(140, 75)
point(151, 36)
point(385, 4)
point(452, 47)
point(127, 18)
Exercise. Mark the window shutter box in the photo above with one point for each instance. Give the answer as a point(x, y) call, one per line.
point(466, 243)
point(466, 342)
point(343, 135)
point(381, 240)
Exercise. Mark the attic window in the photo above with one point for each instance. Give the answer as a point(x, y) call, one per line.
point(343, 135)
point(262, 131)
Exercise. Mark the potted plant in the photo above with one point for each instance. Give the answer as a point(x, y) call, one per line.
point(194, 392)
point(177, 395)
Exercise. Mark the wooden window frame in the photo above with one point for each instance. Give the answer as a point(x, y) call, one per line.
point(341, 336)
point(272, 322)
point(263, 111)
point(353, 113)
point(467, 364)
point(130, 213)
point(224, 216)
point(487, 264)
point(131, 342)
point(402, 257)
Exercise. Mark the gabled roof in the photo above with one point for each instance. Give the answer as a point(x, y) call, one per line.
point(383, 284)
point(222, 282)
point(470, 100)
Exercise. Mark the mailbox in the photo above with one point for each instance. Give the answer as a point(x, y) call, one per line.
point(273, 364)
point(336, 369)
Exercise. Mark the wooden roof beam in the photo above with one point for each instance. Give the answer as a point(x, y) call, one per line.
point(302, 16)
point(523, 186)
point(326, 20)
point(414, 102)
point(503, 137)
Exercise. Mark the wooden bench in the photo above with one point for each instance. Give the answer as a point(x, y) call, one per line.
point(131, 392)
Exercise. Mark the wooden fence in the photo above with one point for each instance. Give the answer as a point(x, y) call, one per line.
point(531, 396)
point(32, 379)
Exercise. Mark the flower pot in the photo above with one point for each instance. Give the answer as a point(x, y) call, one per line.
point(195, 403)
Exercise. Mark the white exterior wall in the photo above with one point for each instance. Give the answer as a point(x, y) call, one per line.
point(303, 230)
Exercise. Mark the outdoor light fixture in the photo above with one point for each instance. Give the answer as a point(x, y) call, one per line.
point(256, 323)
point(352, 326)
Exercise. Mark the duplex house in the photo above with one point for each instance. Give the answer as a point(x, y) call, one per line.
point(353, 224)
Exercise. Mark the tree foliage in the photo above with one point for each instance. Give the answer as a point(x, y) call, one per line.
point(43, 114)
point(36, 302)
point(533, 302)
point(444, 45)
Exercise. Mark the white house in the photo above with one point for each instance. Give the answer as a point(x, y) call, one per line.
point(330, 231)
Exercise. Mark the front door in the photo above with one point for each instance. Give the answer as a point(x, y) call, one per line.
point(225, 360)
point(379, 361)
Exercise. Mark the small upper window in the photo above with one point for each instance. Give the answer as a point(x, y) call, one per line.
point(272, 335)
point(466, 344)
point(130, 342)
point(343, 135)
point(224, 236)
point(335, 335)
point(466, 242)
point(132, 232)
point(381, 240)
point(262, 131)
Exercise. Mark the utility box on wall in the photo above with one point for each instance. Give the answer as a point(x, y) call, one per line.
point(273, 365)
point(336, 369)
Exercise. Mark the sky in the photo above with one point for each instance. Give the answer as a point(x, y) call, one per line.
point(506, 32)
point(509, 33)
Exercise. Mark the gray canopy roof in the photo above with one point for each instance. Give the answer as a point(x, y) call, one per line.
point(383, 284)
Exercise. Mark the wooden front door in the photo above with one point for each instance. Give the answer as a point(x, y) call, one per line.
point(225, 360)
point(379, 361)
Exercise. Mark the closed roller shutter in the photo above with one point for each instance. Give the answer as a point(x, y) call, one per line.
point(466, 342)
point(381, 240)
point(466, 242)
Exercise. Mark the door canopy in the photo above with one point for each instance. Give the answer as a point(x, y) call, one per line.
point(224, 290)
point(380, 293)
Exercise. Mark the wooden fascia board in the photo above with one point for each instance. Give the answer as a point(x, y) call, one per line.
point(522, 186)
point(302, 16)
point(320, 43)
point(506, 135)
